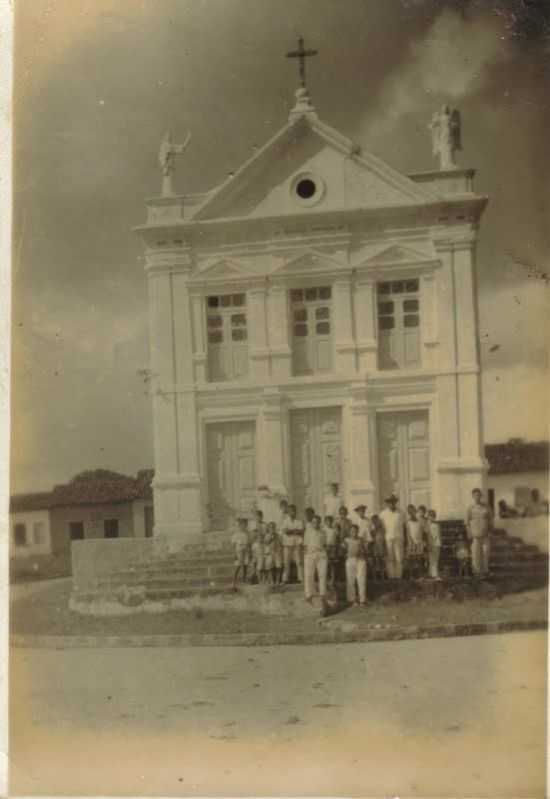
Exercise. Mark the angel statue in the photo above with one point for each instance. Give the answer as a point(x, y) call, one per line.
point(167, 160)
point(445, 127)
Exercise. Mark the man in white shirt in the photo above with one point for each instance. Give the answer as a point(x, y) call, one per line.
point(315, 559)
point(363, 523)
point(394, 527)
point(332, 502)
point(479, 525)
point(292, 531)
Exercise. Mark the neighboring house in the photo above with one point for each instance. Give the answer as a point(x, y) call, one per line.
point(313, 319)
point(30, 531)
point(515, 469)
point(94, 504)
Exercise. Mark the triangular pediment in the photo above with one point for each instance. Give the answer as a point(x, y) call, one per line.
point(223, 269)
point(395, 254)
point(344, 177)
point(308, 262)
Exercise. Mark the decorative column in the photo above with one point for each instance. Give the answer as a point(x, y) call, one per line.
point(257, 332)
point(428, 320)
point(177, 483)
point(344, 342)
point(461, 465)
point(271, 442)
point(448, 501)
point(278, 331)
point(200, 354)
point(360, 444)
point(473, 463)
point(364, 305)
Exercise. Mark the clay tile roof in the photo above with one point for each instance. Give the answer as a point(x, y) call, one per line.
point(26, 502)
point(518, 456)
point(102, 486)
point(94, 487)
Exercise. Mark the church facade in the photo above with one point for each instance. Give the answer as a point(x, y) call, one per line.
point(313, 319)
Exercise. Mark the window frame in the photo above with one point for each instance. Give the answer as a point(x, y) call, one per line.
point(17, 527)
point(304, 314)
point(232, 348)
point(398, 292)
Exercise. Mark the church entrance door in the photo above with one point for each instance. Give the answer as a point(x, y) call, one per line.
point(404, 457)
point(316, 454)
point(231, 469)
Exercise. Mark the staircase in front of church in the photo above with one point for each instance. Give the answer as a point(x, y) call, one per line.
point(511, 559)
point(206, 569)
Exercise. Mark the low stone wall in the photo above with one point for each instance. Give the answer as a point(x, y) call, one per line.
point(95, 558)
point(531, 530)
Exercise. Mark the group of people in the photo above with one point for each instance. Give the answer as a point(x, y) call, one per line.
point(335, 546)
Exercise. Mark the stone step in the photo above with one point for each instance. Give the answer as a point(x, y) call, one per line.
point(186, 569)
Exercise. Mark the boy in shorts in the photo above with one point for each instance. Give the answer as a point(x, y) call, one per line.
point(240, 543)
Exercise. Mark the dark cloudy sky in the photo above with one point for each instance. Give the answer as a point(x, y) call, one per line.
point(99, 81)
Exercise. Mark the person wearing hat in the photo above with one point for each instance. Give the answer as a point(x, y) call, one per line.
point(394, 528)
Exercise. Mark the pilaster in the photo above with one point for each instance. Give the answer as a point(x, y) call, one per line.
point(279, 331)
point(199, 338)
point(257, 332)
point(271, 442)
point(364, 306)
point(344, 341)
point(361, 486)
point(428, 320)
point(177, 483)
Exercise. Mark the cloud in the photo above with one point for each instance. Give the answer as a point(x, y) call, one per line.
point(450, 62)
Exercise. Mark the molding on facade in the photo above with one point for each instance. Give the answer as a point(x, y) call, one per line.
point(462, 464)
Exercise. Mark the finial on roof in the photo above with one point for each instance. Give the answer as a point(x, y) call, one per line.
point(303, 102)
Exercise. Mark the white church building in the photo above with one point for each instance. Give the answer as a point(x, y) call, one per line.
point(313, 319)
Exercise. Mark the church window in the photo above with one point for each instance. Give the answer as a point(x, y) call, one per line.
point(312, 329)
point(399, 324)
point(227, 334)
point(306, 188)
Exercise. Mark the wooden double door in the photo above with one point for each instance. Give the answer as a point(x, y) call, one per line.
point(231, 469)
point(316, 455)
point(404, 457)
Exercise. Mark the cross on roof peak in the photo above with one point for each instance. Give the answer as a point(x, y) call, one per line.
point(301, 54)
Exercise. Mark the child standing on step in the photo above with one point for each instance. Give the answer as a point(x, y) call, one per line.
point(258, 557)
point(331, 538)
point(273, 555)
point(462, 554)
point(240, 543)
point(434, 544)
point(415, 542)
point(356, 567)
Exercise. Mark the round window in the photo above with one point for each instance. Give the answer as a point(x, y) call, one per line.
point(306, 188)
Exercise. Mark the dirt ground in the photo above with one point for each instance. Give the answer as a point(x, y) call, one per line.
point(431, 718)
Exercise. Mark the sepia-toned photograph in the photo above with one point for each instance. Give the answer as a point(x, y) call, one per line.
point(279, 436)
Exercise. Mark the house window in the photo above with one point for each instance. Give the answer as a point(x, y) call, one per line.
point(311, 310)
point(20, 535)
point(76, 531)
point(227, 337)
point(399, 324)
point(38, 534)
point(110, 527)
